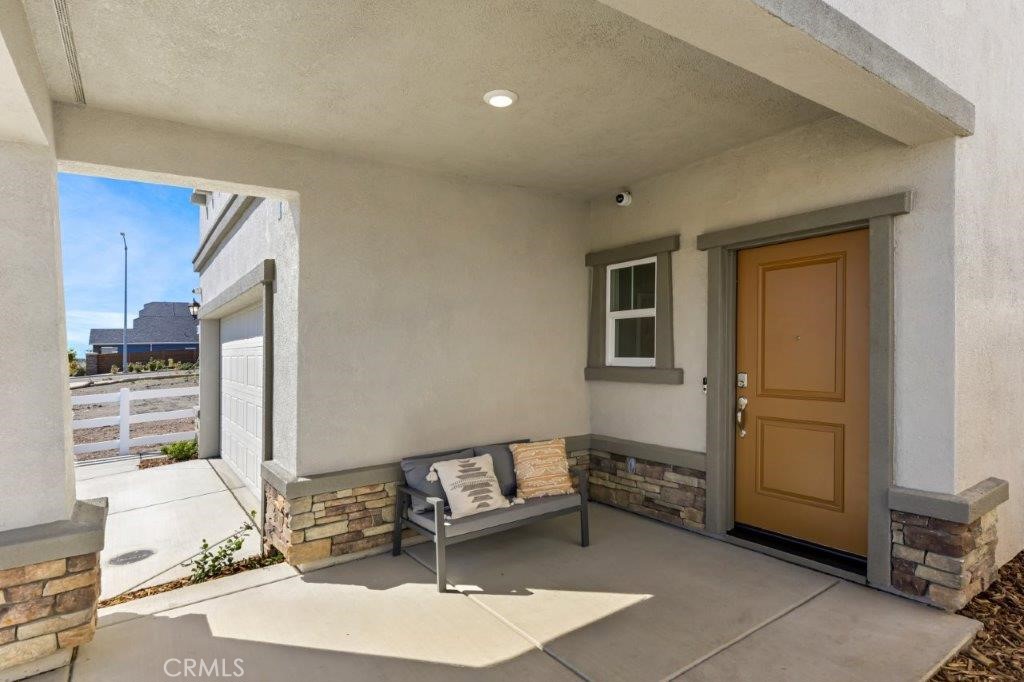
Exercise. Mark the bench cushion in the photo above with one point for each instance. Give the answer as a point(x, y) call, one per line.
point(498, 517)
point(504, 469)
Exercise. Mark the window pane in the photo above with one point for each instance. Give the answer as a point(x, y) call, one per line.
point(634, 337)
point(643, 286)
point(621, 289)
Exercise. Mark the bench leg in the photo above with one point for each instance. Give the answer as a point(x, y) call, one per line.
point(440, 565)
point(584, 509)
point(401, 500)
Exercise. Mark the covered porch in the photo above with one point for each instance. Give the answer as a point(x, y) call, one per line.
point(409, 269)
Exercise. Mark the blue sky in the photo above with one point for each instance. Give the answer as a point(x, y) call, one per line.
point(162, 229)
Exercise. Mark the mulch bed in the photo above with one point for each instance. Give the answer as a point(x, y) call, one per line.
point(998, 651)
point(239, 566)
point(156, 462)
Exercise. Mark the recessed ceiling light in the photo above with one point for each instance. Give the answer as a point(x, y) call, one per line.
point(501, 98)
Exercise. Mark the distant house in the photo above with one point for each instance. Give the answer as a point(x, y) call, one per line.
point(161, 325)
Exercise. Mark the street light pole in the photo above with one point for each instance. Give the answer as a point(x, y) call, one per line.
point(124, 327)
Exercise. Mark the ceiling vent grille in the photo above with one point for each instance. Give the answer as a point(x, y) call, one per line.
point(68, 38)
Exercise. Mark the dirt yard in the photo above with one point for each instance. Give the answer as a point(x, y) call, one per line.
point(105, 385)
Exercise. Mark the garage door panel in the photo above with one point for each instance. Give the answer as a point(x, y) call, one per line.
point(242, 394)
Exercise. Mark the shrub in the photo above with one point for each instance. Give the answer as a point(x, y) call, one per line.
point(186, 365)
point(209, 564)
point(114, 369)
point(154, 365)
point(74, 369)
point(182, 450)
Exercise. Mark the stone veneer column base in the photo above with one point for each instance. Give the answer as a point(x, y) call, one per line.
point(315, 528)
point(668, 493)
point(46, 609)
point(943, 562)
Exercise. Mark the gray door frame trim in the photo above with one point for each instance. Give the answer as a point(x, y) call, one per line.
point(877, 215)
point(810, 224)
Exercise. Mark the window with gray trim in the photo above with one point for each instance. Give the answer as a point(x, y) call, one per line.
point(631, 314)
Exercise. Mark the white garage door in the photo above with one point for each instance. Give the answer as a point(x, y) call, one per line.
point(241, 402)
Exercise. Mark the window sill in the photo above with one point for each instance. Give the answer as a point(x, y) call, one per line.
point(636, 375)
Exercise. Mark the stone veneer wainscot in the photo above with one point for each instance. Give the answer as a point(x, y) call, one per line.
point(313, 528)
point(943, 562)
point(47, 607)
point(668, 493)
point(354, 522)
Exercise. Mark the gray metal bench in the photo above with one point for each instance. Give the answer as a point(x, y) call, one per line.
point(445, 531)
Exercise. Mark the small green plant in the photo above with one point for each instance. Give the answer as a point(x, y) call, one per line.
point(114, 369)
point(182, 450)
point(213, 561)
point(154, 365)
point(74, 368)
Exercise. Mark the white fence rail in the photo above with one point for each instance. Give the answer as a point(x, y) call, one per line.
point(124, 419)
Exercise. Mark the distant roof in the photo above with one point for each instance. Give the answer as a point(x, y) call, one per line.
point(158, 322)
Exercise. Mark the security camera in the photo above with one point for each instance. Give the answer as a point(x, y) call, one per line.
point(623, 198)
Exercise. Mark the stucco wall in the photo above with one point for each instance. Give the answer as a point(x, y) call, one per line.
point(269, 232)
point(976, 48)
point(36, 474)
point(828, 163)
point(215, 204)
point(436, 313)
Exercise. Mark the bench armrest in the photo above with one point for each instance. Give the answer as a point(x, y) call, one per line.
point(416, 494)
point(583, 482)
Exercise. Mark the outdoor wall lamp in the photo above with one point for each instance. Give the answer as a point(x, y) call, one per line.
point(193, 309)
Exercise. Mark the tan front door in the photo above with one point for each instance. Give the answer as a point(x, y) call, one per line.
point(802, 438)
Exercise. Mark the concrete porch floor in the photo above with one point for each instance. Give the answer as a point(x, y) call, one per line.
point(644, 602)
point(158, 517)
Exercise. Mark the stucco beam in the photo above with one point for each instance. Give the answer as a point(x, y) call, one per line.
point(813, 50)
point(94, 141)
point(24, 98)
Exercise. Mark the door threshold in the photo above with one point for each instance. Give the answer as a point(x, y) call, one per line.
point(809, 552)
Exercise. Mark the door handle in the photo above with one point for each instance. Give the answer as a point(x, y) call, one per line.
point(741, 412)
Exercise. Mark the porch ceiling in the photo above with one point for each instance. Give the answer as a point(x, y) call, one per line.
point(603, 98)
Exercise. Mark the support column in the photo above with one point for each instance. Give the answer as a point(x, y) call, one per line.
point(209, 388)
point(36, 468)
point(49, 544)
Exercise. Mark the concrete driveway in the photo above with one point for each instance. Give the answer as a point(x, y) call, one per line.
point(158, 518)
point(644, 602)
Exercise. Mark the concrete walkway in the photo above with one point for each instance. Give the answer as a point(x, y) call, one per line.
point(644, 602)
point(158, 518)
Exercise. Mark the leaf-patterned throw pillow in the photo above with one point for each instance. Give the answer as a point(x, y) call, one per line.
point(542, 468)
point(470, 485)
